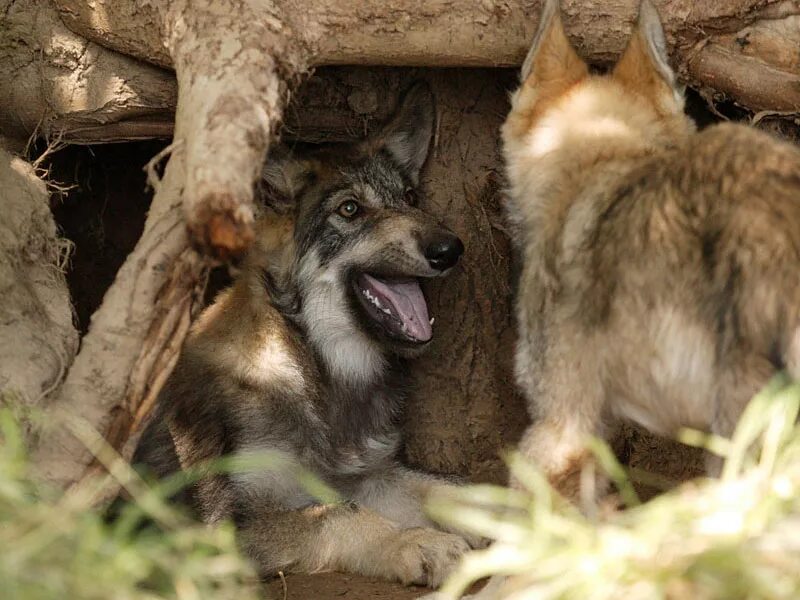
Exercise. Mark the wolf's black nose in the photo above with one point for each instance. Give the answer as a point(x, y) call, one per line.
point(444, 251)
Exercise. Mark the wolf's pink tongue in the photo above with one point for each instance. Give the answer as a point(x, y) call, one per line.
point(409, 304)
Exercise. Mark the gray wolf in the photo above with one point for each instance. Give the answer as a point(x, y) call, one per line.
point(661, 265)
point(302, 356)
point(660, 275)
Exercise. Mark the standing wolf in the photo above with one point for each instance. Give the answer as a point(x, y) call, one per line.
point(301, 357)
point(661, 265)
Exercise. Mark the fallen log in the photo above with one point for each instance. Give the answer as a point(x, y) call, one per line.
point(472, 33)
point(744, 51)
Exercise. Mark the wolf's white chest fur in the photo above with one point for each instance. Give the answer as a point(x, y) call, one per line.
point(278, 474)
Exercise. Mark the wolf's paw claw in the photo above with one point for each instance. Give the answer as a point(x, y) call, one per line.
point(426, 556)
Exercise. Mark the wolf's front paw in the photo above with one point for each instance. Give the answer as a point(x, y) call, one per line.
point(425, 556)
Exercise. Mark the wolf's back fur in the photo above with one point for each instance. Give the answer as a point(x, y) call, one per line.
point(287, 361)
point(661, 266)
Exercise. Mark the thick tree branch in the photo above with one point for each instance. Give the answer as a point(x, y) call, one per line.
point(233, 59)
point(744, 50)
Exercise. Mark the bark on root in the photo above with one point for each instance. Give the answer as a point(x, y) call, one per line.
point(132, 339)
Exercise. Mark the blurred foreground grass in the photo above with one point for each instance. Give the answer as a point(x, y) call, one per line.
point(736, 537)
point(58, 546)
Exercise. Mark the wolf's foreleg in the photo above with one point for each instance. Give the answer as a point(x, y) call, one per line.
point(348, 537)
point(567, 406)
point(400, 494)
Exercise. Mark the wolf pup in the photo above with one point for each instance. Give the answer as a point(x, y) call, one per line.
point(302, 357)
point(661, 265)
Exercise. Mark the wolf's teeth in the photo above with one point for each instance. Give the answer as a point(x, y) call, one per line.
point(375, 302)
point(432, 320)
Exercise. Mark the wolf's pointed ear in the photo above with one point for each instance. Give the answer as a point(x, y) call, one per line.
point(644, 66)
point(283, 178)
point(551, 59)
point(407, 136)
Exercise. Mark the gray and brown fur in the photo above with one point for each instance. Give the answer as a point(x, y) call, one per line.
point(284, 361)
point(661, 265)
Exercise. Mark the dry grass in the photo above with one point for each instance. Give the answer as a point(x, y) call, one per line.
point(59, 546)
point(64, 546)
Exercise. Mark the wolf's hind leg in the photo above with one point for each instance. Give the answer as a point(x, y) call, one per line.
point(350, 538)
point(742, 376)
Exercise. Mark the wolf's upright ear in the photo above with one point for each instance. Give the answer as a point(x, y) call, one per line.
point(283, 179)
point(644, 66)
point(407, 135)
point(552, 63)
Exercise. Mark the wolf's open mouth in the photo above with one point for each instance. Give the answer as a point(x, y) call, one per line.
point(396, 304)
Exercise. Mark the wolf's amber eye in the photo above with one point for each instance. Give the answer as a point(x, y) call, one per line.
point(348, 209)
point(410, 197)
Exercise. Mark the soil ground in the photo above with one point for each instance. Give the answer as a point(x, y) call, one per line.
point(339, 586)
